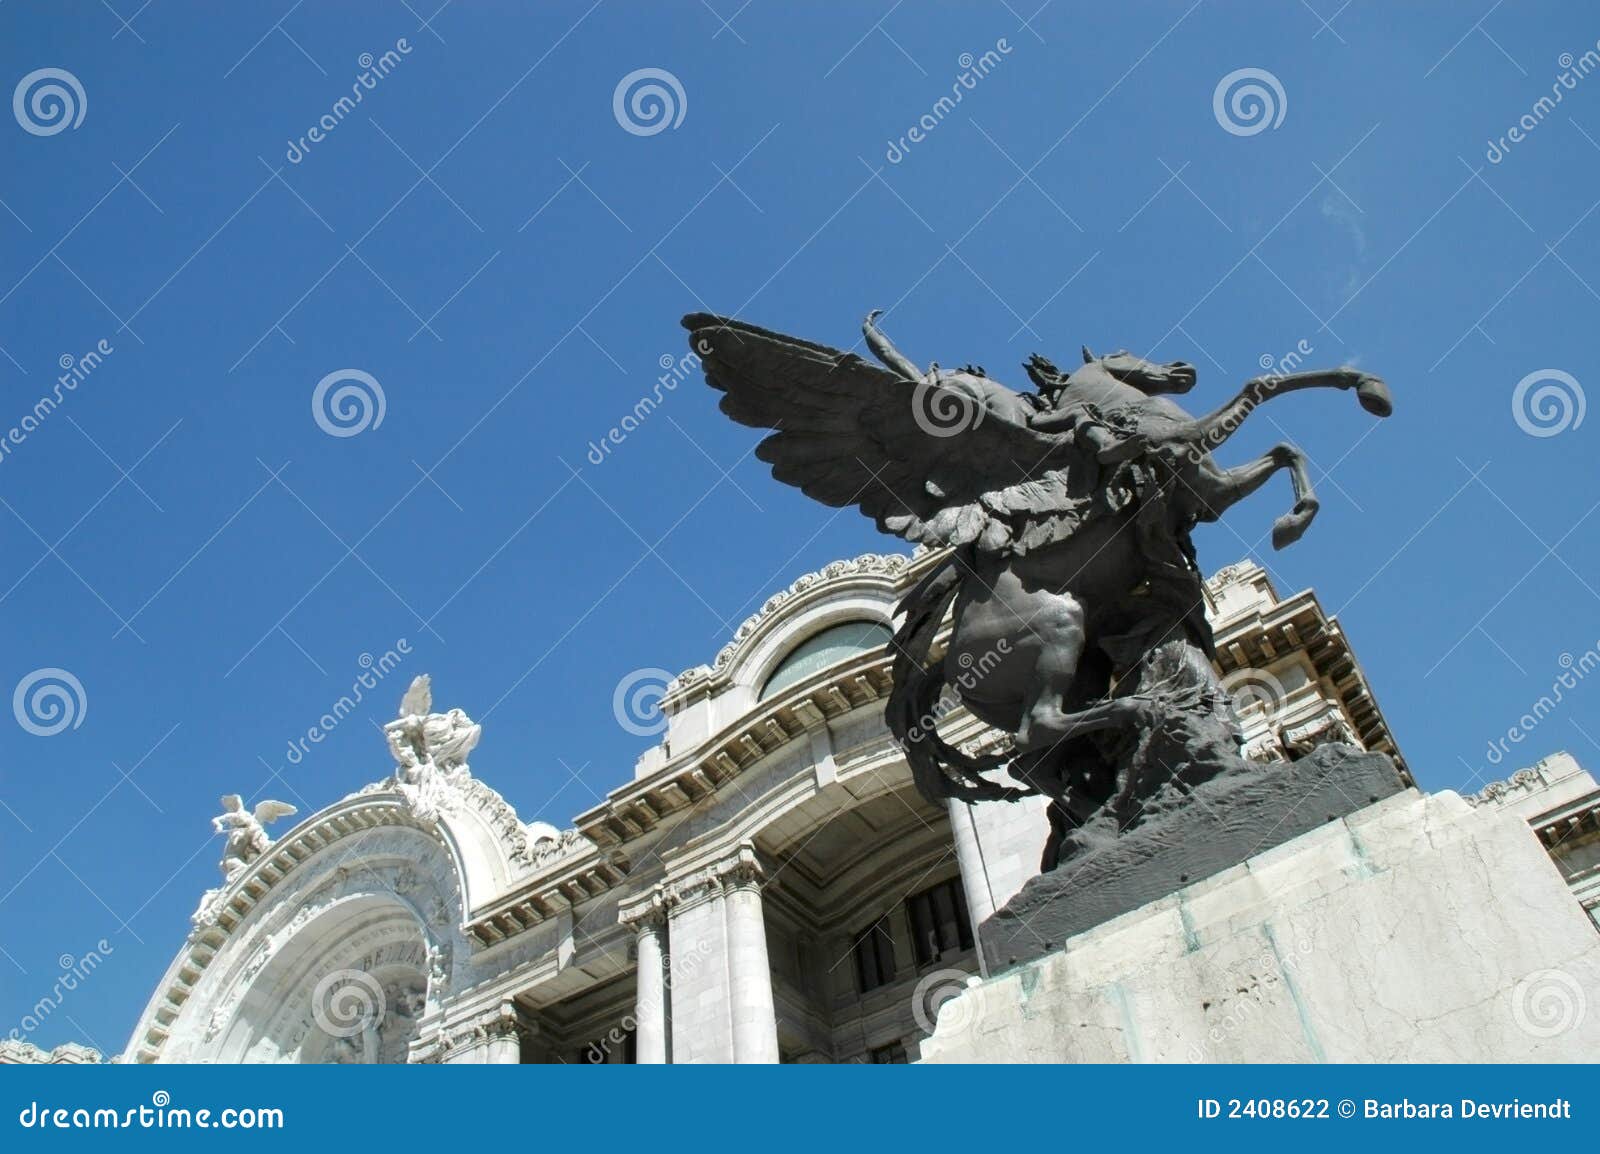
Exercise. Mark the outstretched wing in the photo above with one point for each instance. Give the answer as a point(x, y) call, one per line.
point(950, 462)
point(418, 700)
point(270, 811)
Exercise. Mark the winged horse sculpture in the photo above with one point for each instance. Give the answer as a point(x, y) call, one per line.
point(1066, 515)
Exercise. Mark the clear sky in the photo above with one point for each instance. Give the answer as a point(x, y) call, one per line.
point(485, 238)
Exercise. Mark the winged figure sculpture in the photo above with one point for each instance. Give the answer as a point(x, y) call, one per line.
point(246, 830)
point(1065, 516)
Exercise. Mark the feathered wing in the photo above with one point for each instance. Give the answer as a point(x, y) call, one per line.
point(951, 463)
point(418, 700)
point(270, 811)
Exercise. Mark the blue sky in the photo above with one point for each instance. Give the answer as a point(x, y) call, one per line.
point(485, 239)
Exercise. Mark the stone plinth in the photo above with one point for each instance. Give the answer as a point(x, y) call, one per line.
point(1227, 820)
point(1417, 929)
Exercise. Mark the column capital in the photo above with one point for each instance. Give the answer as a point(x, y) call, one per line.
point(644, 912)
point(742, 869)
point(494, 1023)
point(739, 869)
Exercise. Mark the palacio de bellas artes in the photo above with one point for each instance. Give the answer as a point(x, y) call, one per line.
point(636, 534)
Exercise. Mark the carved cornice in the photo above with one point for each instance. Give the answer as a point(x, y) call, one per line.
point(638, 807)
point(1256, 639)
point(886, 565)
point(1232, 574)
point(15, 1053)
point(1523, 781)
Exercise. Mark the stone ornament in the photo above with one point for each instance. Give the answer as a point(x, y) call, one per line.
point(247, 840)
point(246, 830)
point(878, 564)
point(1078, 621)
point(430, 750)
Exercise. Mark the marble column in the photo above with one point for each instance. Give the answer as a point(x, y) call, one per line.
point(650, 1008)
point(754, 1015)
point(722, 1008)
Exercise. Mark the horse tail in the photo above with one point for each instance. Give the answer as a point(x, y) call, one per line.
point(912, 708)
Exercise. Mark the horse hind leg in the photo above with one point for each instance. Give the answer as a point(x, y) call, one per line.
point(1058, 632)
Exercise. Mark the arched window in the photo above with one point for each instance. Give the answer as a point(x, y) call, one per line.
point(831, 646)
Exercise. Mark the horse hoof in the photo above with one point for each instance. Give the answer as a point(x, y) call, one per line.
point(1287, 529)
point(1374, 397)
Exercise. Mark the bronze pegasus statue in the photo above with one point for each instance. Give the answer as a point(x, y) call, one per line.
point(1066, 516)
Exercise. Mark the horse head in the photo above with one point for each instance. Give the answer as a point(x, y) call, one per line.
point(1150, 377)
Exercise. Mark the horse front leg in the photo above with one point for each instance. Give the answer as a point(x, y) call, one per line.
point(1214, 428)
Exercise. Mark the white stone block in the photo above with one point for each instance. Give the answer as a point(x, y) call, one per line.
point(1418, 929)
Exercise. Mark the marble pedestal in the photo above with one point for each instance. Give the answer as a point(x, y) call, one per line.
point(1417, 929)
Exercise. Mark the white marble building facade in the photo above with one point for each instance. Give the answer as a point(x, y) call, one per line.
point(767, 887)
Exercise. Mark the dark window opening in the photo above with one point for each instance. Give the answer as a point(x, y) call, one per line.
point(939, 922)
point(894, 1054)
point(874, 951)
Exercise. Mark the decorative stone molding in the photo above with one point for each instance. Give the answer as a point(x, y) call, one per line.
point(1275, 627)
point(889, 565)
point(1265, 749)
point(501, 1022)
point(288, 887)
point(15, 1053)
point(1523, 781)
point(1300, 740)
point(641, 805)
point(739, 870)
point(434, 780)
point(1232, 574)
point(648, 909)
